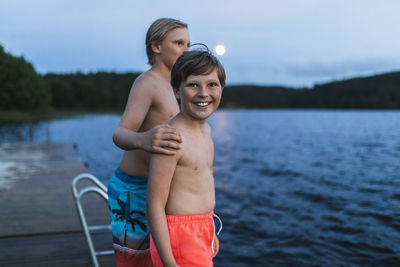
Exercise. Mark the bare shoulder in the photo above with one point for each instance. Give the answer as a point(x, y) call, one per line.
point(153, 85)
point(146, 82)
point(179, 125)
point(177, 122)
point(140, 100)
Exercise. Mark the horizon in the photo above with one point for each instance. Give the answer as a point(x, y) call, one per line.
point(287, 44)
point(231, 84)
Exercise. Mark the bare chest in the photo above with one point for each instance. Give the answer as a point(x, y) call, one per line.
point(198, 154)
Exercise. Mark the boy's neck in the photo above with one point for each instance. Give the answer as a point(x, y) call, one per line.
point(191, 122)
point(162, 70)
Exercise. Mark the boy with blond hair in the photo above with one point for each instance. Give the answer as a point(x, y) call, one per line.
point(141, 131)
point(180, 197)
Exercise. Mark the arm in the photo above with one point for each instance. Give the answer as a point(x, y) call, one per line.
point(160, 139)
point(162, 168)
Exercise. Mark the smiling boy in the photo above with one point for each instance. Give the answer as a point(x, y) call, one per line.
point(181, 198)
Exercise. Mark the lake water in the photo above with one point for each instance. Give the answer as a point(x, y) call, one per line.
point(293, 187)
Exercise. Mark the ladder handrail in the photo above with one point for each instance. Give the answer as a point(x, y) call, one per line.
point(101, 190)
point(89, 177)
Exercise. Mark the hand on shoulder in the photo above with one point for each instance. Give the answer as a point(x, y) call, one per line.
point(163, 139)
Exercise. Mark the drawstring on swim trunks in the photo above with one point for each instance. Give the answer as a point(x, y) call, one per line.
point(220, 228)
point(220, 223)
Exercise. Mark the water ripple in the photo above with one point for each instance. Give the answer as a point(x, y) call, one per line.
point(293, 188)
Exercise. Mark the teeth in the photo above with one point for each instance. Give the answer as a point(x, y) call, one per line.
point(202, 104)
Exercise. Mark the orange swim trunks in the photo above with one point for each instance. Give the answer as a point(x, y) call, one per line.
point(192, 240)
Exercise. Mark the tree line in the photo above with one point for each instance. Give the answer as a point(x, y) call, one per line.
point(374, 92)
point(94, 90)
point(22, 88)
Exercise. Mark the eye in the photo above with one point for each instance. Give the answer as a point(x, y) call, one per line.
point(213, 84)
point(192, 85)
point(180, 43)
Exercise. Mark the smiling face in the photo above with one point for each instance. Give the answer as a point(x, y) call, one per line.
point(175, 43)
point(200, 95)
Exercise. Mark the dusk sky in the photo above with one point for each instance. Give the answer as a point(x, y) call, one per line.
point(294, 43)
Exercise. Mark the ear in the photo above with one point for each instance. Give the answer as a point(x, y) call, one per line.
point(156, 47)
point(176, 91)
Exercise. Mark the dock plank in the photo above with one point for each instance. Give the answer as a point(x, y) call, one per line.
point(39, 225)
point(52, 250)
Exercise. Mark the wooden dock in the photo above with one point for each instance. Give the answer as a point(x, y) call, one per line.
point(39, 225)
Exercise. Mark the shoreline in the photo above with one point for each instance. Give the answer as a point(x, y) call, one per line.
point(18, 116)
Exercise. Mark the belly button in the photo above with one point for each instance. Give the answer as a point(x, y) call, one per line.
point(196, 168)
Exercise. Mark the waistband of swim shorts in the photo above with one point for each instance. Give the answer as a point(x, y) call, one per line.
point(130, 179)
point(197, 217)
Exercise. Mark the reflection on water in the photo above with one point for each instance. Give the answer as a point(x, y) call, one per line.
point(221, 127)
point(293, 188)
point(303, 188)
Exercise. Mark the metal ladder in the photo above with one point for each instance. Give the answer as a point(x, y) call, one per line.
point(101, 190)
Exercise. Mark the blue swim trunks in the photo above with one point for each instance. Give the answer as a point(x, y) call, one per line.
point(130, 228)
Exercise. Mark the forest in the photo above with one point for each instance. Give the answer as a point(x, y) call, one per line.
point(373, 92)
point(22, 88)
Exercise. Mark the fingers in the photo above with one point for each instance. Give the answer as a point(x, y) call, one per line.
point(165, 147)
point(172, 136)
point(167, 132)
point(163, 151)
point(165, 139)
point(169, 144)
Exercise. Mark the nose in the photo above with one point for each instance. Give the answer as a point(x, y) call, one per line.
point(203, 91)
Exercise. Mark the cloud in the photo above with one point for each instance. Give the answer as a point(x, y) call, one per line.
point(342, 67)
point(268, 42)
point(306, 72)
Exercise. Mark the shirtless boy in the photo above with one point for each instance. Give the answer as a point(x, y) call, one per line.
point(180, 197)
point(142, 130)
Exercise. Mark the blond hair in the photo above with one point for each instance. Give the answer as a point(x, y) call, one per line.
point(157, 32)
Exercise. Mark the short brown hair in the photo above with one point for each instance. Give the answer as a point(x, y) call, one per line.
point(196, 62)
point(157, 32)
